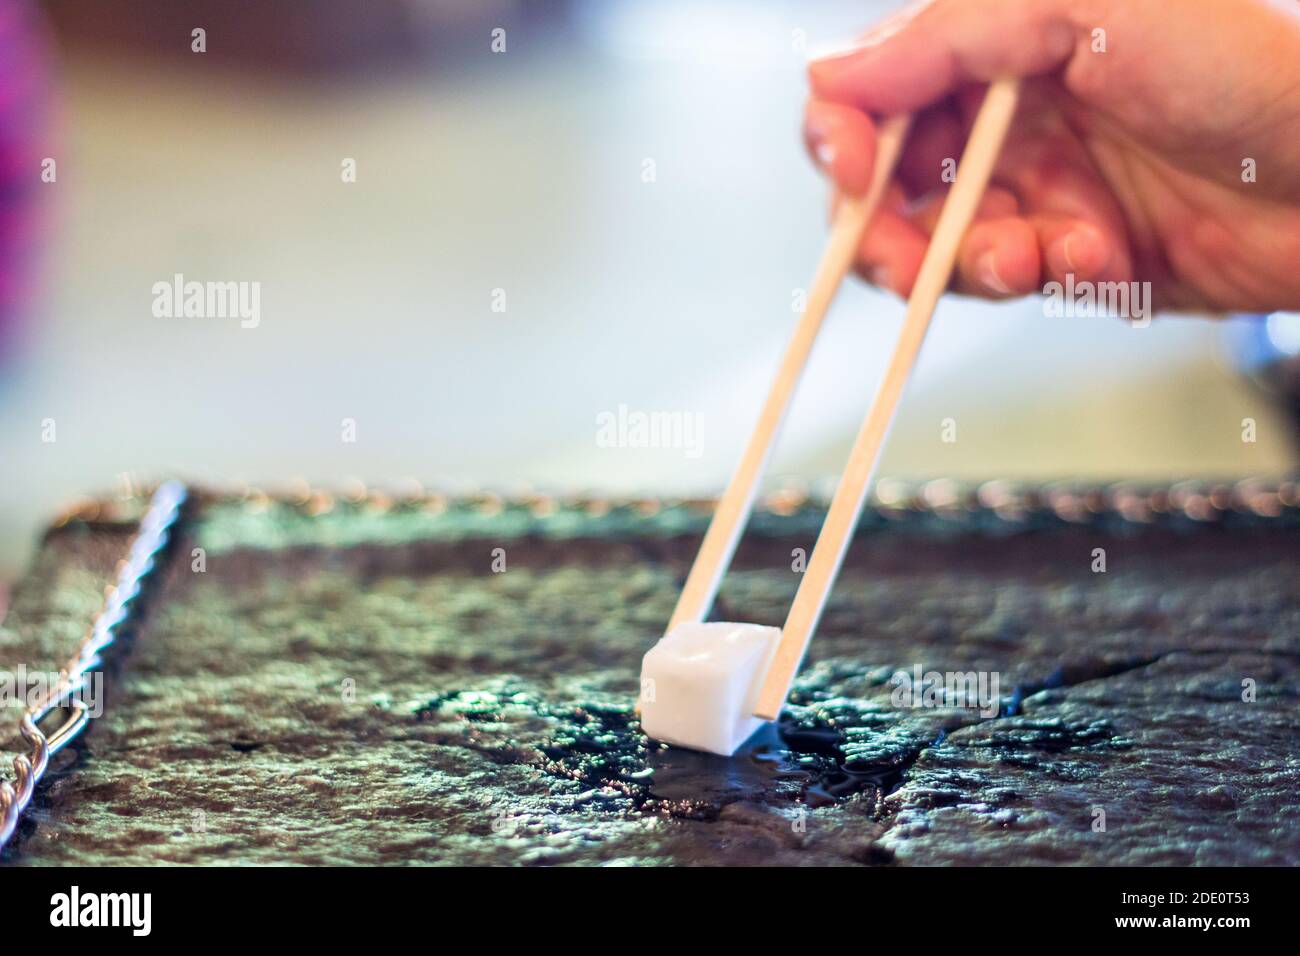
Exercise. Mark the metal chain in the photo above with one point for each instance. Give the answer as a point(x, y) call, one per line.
point(154, 532)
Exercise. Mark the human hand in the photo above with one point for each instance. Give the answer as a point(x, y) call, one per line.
point(1164, 148)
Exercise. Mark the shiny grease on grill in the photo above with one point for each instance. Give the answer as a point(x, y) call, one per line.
point(825, 749)
point(809, 758)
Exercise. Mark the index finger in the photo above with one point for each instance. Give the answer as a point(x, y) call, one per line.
point(930, 49)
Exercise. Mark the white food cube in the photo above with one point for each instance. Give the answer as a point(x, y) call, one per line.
point(700, 684)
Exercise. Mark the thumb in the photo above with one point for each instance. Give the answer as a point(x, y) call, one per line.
point(926, 51)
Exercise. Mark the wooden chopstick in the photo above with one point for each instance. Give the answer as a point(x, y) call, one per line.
point(973, 174)
point(737, 501)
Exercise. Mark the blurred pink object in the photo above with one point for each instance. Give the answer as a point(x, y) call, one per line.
point(24, 147)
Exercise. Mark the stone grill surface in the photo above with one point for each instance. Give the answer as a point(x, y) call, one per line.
point(358, 686)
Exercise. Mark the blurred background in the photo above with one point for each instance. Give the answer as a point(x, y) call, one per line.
point(558, 209)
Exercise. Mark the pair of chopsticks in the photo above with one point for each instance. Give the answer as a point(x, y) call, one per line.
point(719, 544)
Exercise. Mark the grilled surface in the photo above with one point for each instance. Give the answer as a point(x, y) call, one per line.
point(359, 686)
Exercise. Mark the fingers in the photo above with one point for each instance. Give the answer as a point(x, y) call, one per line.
point(1047, 214)
point(891, 249)
point(842, 141)
point(999, 258)
point(1073, 247)
point(1081, 230)
point(1003, 254)
point(890, 253)
point(931, 152)
point(994, 204)
point(927, 52)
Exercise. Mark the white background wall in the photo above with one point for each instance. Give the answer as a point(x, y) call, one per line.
point(523, 171)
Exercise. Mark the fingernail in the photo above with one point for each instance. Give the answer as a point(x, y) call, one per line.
point(1084, 252)
point(835, 54)
point(1071, 262)
point(882, 31)
point(819, 124)
point(986, 273)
